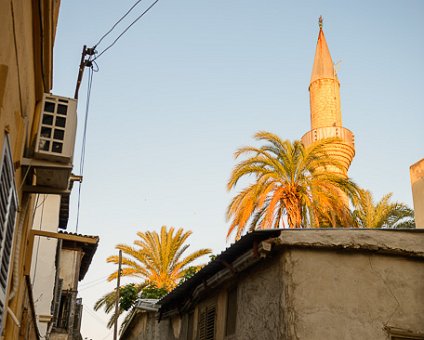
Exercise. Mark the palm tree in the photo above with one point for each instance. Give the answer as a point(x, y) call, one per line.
point(383, 214)
point(301, 185)
point(157, 260)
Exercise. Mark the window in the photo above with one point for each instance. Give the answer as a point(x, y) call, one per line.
point(230, 322)
point(207, 317)
point(64, 310)
point(8, 209)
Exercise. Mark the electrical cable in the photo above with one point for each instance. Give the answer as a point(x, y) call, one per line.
point(84, 139)
point(91, 62)
point(95, 280)
point(128, 27)
point(92, 284)
point(95, 317)
point(116, 24)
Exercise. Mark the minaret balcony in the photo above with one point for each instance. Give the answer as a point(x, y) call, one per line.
point(344, 134)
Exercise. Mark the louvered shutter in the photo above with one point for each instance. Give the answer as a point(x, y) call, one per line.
point(8, 209)
point(207, 319)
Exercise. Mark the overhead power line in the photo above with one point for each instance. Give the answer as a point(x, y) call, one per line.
point(88, 57)
point(116, 23)
point(126, 29)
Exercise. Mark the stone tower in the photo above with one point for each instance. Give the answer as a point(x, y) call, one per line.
point(326, 115)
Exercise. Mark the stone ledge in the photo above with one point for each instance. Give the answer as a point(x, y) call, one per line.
point(408, 243)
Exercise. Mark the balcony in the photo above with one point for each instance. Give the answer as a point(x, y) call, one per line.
point(344, 134)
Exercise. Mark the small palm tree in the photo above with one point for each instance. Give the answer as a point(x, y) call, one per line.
point(157, 260)
point(292, 183)
point(383, 214)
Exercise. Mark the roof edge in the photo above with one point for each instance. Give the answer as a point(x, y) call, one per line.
point(409, 243)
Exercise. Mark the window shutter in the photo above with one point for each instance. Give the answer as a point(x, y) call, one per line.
point(57, 299)
point(207, 323)
point(8, 209)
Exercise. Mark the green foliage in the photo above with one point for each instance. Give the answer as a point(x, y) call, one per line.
point(127, 296)
point(153, 292)
point(190, 271)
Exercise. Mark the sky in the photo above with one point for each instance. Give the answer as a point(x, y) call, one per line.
point(193, 80)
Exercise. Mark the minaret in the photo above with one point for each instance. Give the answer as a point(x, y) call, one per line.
point(326, 115)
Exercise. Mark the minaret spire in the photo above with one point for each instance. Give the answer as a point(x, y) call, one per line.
point(323, 63)
point(326, 115)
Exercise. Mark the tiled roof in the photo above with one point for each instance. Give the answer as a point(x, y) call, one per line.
point(89, 250)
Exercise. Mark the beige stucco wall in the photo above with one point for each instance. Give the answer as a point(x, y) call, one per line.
point(43, 265)
point(335, 295)
point(417, 183)
point(70, 261)
point(19, 90)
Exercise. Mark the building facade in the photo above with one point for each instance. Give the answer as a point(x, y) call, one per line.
point(59, 261)
point(300, 284)
point(27, 30)
point(37, 132)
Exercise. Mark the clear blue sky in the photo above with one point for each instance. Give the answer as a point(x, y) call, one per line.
point(193, 80)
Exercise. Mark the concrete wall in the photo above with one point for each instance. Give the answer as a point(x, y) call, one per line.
point(258, 303)
point(417, 183)
point(43, 266)
point(346, 295)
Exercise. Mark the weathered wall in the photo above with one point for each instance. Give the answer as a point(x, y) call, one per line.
point(258, 302)
point(335, 295)
point(144, 326)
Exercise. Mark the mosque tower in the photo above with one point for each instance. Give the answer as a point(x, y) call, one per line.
point(326, 115)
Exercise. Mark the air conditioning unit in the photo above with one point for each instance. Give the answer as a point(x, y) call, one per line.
point(57, 129)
